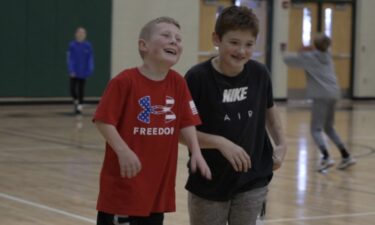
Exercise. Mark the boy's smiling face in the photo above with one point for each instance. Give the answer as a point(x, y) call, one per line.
point(164, 45)
point(235, 49)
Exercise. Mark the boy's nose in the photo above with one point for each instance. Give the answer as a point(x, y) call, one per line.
point(173, 40)
point(242, 50)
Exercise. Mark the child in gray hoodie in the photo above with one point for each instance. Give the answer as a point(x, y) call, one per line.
point(323, 89)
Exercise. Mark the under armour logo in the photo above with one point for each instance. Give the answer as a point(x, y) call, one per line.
point(148, 109)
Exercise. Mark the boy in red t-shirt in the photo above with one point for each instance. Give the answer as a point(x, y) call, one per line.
point(141, 115)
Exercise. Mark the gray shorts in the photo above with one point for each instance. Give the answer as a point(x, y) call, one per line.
point(242, 209)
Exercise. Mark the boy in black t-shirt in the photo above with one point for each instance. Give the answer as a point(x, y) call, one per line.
point(233, 95)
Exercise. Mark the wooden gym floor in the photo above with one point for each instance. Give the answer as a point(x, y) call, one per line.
point(50, 162)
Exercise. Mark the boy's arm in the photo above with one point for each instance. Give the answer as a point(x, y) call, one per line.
point(128, 160)
point(235, 154)
point(293, 59)
point(91, 59)
point(189, 135)
point(296, 59)
point(274, 127)
point(70, 61)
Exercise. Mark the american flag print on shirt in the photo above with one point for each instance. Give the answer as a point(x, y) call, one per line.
point(193, 108)
point(149, 109)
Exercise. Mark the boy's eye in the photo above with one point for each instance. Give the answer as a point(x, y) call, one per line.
point(178, 37)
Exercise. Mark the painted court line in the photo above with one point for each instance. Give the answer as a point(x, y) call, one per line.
point(20, 200)
point(36, 148)
point(319, 217)
point(40, 206)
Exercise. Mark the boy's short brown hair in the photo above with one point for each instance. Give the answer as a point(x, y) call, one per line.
point(237, 18)
point(322, 42)
point(147, 29)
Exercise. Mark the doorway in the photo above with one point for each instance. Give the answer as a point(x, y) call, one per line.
point(335, 19)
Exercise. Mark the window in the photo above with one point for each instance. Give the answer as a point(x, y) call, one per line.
point(306, 27)
point(328, 22)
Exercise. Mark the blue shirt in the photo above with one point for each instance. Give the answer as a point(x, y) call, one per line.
point(80, 59)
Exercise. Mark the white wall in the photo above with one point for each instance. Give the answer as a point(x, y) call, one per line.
point(128, 18)
point(279, 35)
point(364, 70)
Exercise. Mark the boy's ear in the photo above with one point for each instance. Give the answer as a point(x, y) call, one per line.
point(215, 39)
point(142, 45)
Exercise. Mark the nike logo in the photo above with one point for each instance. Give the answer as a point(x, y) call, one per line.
point(235, 94)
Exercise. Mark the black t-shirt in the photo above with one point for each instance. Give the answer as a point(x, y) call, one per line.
point(235, 108)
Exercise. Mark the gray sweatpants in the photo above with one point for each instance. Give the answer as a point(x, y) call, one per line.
point(242, 209)
point(322, 120)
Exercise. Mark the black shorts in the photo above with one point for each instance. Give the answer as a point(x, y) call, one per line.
point(110, 219)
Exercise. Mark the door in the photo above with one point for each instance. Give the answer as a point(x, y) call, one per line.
point(335, 21)
point(209, 11)
point(302, 27)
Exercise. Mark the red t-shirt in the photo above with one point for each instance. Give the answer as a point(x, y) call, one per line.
point(148, 115)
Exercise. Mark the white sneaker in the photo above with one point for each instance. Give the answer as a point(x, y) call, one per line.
point(75, 107)
point(78, 109)
point(325, 164)
point(345, 163)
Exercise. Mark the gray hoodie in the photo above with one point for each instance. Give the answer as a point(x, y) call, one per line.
point(320, 74)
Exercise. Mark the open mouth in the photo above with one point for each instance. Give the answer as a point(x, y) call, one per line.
point(238, 57)
point(170, 51)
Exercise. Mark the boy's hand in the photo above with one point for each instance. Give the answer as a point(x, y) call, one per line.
point(278, 157)
point(197, 162)
point(236, 155)
point(306, 48)
point(283, 47)
point(129, 163)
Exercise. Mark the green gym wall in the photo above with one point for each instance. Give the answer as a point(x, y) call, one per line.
point(34, 40)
